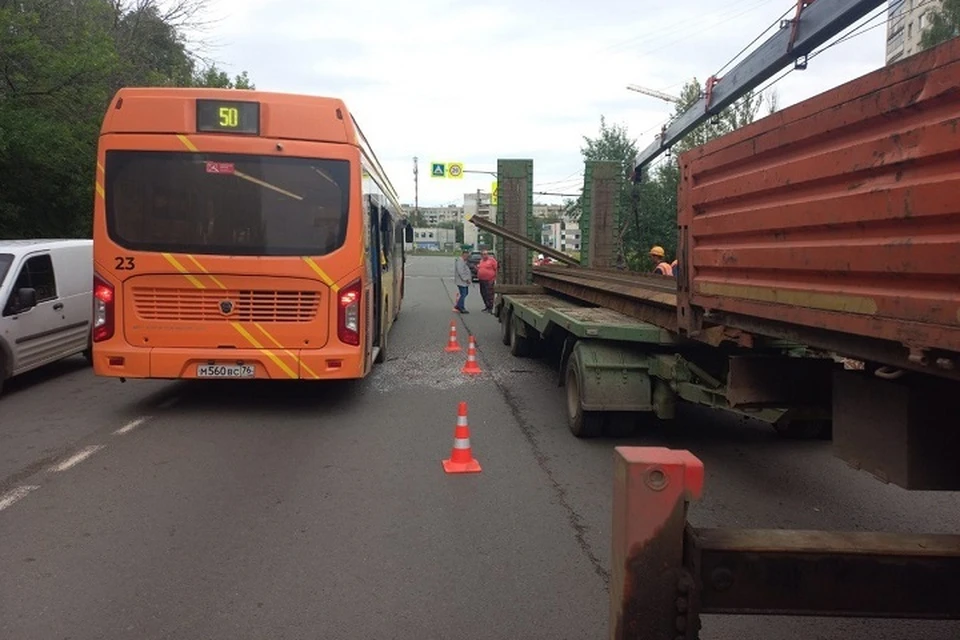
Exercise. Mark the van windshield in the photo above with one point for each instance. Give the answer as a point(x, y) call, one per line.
point(227, 204)
point(6, 259)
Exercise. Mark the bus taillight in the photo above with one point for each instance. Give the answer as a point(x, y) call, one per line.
point(348, 314)
point(103, 309)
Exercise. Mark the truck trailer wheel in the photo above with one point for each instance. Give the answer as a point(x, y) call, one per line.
point(519, 345)
point(505, 319)
point(583, 424)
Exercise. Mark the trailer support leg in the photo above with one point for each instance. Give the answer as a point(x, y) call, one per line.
point(651, 593)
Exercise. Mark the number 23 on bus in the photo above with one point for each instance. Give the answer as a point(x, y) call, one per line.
point(241, 234)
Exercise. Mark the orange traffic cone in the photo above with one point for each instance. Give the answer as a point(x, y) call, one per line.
point(461, 457)
point(471, 366)
point(452, 344)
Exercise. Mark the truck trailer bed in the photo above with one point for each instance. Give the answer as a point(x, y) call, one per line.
point(544, 311)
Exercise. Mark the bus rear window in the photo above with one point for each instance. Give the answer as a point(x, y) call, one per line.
point(227, 204)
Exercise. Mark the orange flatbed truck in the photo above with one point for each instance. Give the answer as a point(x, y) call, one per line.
point(241, 234)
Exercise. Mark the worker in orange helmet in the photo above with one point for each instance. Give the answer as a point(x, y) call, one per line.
point(661, 265)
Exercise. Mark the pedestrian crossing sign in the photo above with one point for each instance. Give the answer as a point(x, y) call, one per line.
point(438, 170)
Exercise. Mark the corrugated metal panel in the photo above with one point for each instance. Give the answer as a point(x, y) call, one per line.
point(842, 212)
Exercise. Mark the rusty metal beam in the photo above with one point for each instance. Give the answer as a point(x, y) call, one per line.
point(649, 586)
point(845, 344)
point(506, 234)
point(519, 289)
point(825, 573)
point(603, 294)
point(633, 281)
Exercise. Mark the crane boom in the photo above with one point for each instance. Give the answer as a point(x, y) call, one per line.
point(815, 23)
point(653, 92)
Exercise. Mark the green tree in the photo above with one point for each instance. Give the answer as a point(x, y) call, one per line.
point(61, 61)
point(648, 210)
point(773, 101)
point(215, 77)
point(571, 208)
point(944, 24)
point(57, 59)
point(740, 113)
point(613, 144)
point(457, 226)
point(416, 217)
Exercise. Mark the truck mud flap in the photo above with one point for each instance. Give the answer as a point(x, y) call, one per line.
point(614, 377)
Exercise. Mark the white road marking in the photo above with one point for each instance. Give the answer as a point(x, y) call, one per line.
point(77, 458)
point(169, 402)
point(131, 426)
point(11, 497)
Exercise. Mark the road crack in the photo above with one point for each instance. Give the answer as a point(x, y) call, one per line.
point(575, 519)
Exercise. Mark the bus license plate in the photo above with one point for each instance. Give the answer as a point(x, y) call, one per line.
point(225, 371)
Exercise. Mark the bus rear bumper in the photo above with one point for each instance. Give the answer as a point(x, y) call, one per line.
point(330, 363)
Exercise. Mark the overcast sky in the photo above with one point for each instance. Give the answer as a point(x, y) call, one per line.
point(472, 81)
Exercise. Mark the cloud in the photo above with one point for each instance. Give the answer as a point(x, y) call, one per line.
point(452, 81)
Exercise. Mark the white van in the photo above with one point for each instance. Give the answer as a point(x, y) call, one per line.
point(46, 293)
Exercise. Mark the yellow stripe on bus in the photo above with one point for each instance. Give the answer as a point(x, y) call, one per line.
point(276, 359)
point(100, 168)
point(186, 142)
point(179, 267)
point(100, 191)
point(285, 350)
point(323, 276)
point(204, 269)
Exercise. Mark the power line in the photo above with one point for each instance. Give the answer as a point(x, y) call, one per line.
point(754, 41)
point(667, 30)
point(575, 174)
point(710, 27)
point(853, 32)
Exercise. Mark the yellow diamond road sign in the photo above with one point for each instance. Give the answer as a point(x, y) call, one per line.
point(455, 169)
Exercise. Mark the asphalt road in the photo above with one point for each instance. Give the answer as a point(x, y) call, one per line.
point(246, 510)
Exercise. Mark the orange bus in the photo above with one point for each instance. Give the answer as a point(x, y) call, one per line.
point(241, 234)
